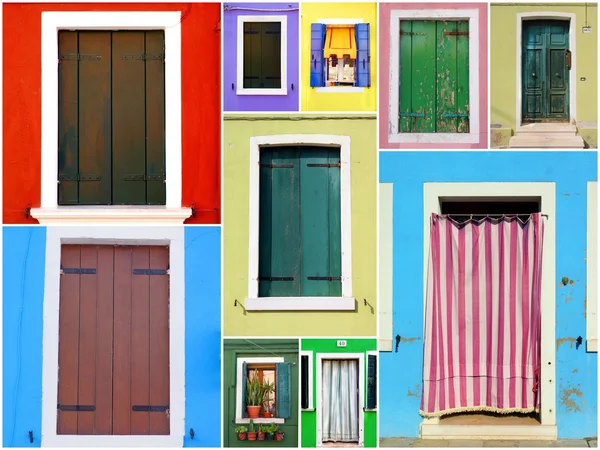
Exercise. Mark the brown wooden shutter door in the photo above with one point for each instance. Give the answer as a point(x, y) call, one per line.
point(114, 341)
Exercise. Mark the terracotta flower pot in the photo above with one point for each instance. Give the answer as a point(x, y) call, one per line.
point(253, 411)
point(242, 436)
point(261, 436)
point(267, 414)
point(252, 436)
point(278, 436)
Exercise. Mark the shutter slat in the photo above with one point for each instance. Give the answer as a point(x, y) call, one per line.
point(423, 77)
point(371, 382)
point(405, 97)
point(68, 120)
point(265, 225)
point(155, 120)
point(317, 45)
point(252, 55)
point(244, 378)
point(363, 54)
point(283, 373)
point(335, 225)
point(446, 81)
point(95, 119)
point(462, 65)
point(270, 55)
point(129, 118)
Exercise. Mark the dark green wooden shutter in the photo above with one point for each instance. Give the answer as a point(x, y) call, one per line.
point(304, 364)
point(321, 222)
point(262, 55)
point(279, 229)
point(371, 381)
point(244, 377)
point(283, 373)
point(434, 77)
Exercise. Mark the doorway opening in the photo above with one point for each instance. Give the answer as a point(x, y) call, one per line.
point(546, 66)
point(340, 403)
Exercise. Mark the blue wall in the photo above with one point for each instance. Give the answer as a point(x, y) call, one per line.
point(23, 288)
point(401, 373)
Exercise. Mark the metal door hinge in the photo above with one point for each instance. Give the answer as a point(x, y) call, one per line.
point(150, 408)
point(77, 408)
point(80, 177)
point(144, 56)
point(410, 33)
point(324, 278)
point(76, 271)
point(78, 57)
point(152, 271)
point(275, 278)
point(456, 33)
point(337, 164)
point(142, 177)
point(278, 166)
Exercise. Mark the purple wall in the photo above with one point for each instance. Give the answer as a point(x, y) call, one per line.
point(233, 102)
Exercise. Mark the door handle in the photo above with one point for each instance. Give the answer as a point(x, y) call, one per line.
point(568, 59)
point(533, 75)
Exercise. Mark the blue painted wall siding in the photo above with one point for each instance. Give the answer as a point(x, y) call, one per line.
point(577, 371)
point(24, 255)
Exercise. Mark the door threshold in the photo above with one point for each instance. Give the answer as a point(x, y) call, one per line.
point(489, 432)
point(547, 127)
point(340, 444)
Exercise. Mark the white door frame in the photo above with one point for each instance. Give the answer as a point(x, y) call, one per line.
point(522, 17)
point(361, 392)
point(432, 193)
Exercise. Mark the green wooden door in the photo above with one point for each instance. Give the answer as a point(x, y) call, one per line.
point(545, 71)
point(300, 222)
point(434, 77)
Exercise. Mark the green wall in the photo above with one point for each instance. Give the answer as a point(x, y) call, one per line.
point(309, 418)
point(234, 348)
point(503, 44)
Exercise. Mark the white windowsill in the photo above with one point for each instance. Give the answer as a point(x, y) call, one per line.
point(308, 409)
point(300, 304)
point(333, 89)
point(261, 91)
point(385, 345)
point(112, 441)
point(433, 138)
point(127, 215)
point(592, 345)
point(489, 432)
point(260, 420)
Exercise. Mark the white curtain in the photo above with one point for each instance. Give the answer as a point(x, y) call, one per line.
point(340, 400)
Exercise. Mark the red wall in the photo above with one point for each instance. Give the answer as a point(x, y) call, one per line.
point(201, 108)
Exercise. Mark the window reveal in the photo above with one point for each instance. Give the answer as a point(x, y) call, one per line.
point(111, 118)
point(277, 402)
point(300, 222)
point(262, 55)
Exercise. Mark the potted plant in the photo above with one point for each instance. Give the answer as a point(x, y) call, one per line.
point(268, 389)
point(278, 434)
point(254, 395)
point(241, 432)
point(251, 431)
point(261, 432)
point(269, 431)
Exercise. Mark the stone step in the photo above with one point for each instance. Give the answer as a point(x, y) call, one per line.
point(547, 128)
point(546, 140)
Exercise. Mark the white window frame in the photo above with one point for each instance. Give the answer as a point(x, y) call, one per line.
point(432, 193)
point(530, 16)
point(330, 89)
point(310, 354)
point(50, 212)
point(386, 266)
point(361, 393)
point(55, 238)
point(240, 90)
point(344, 303)
point(472, 137)
point(240, 379)
point(591, 317)
point(376, 354)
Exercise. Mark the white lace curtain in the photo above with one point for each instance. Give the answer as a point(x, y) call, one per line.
point(340, 400)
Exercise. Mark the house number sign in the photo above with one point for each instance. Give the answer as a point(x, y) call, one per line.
point(341, 343)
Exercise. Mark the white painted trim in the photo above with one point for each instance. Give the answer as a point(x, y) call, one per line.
point(55, 237)
point(332, 21)
point(490, 432)
point(107, 215)
point(355, 90)
point(472, 137)
point(239, 88)
point(300, 304)
point(310, 354)
point(386, 265)
point(240, 378)
point(432, 192)
point(361, 392)
point(571, 17)
point(376, 354)
point(169, 21)
point(323, 140)
point(591, 317)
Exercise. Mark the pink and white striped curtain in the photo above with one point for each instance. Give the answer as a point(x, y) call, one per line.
point(482, 316)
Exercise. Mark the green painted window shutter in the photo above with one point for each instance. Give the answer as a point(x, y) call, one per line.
point(300, 222)
point(111, 120)
point(283, 373)
point(304, 381)
point(371, 381)
point(262, 55)
point(244, 377)
point(434, 76)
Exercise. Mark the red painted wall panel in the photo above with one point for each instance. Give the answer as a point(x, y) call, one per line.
point(201, 104)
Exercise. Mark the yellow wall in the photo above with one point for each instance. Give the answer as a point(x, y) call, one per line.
point(237, 133)
point(504, 65)
point(331, 101)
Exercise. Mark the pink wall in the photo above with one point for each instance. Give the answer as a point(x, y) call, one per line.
point(384, 70)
